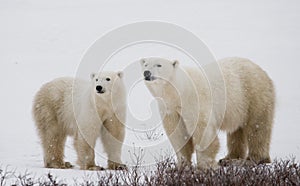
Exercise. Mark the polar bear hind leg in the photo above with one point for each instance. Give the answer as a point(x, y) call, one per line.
point(237, 144)
point(259, 136)
point(53, 141)
point(51, 134)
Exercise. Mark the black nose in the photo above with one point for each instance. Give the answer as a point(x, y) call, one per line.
point(147, 74)
point(98, 88)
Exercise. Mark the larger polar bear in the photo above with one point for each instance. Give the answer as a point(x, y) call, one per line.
point(84, 110)
point(192, 118)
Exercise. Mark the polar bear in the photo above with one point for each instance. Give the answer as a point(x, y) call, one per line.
point(192, 119)
point(85, 110)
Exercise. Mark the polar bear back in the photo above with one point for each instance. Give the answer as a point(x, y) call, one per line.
point(54, 103)
point(249, 91)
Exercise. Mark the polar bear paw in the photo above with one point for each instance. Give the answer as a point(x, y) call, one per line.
point(57, 165)
point(207, 164)
point(116, 166)
point(96, 168)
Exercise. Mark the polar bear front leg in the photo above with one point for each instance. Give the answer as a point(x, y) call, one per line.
point(84, 146)
point(112, 136)
point(207, 145)
point(178, 136)
point(206, 157)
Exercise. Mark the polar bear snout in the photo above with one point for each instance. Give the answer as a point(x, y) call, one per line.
point(100, 89)
point(148, 76)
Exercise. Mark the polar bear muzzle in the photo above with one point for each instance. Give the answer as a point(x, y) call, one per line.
point(148, 76)
point(100, 89)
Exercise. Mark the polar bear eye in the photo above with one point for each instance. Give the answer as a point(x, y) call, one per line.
point(107, 79)
point(158, 65)
point(97, 79)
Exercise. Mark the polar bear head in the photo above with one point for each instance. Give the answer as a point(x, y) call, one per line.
point(157, 69)
point(104, 83)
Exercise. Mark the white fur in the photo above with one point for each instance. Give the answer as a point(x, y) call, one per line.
point(67, 106)
point(235, 90)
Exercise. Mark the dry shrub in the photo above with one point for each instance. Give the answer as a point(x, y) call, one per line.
point(280, 172)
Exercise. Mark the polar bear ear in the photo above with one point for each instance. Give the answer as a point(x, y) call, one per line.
point(142, 61)
point(92, 75)
point(120, 74)
point(175, 63)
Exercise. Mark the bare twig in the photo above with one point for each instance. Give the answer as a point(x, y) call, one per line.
point(137, 155)
point(150, 135)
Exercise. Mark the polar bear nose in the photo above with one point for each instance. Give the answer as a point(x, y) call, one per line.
point(99, 88)
point(147, 74)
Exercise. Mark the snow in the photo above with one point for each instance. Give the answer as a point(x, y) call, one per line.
point(42, 40)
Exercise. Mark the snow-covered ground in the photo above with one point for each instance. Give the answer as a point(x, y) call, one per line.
point(42, 40)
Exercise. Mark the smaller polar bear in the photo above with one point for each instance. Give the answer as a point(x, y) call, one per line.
point(85, 110)
point(191, 108)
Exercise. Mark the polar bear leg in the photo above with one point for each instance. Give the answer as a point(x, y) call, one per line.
point(185, 153)
point(206, 157)
point(259, 137)
point(53, 141)
point(236, 144)
point(112, 136)
point(179, 138)
point(84, 146)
